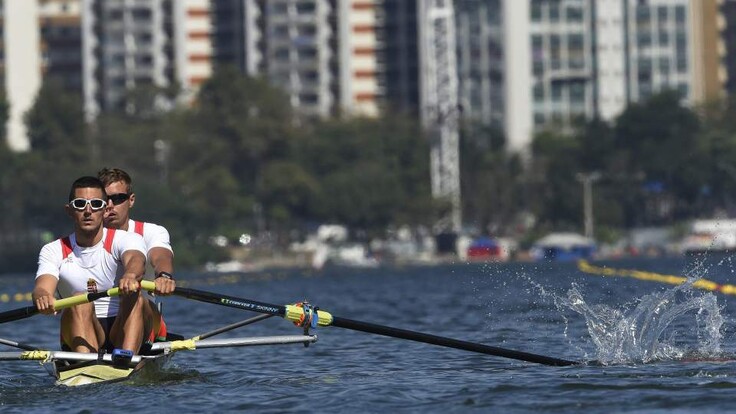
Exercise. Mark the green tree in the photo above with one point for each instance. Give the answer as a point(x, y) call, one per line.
point(492, 180)
point(659, 138)
point(373, 172)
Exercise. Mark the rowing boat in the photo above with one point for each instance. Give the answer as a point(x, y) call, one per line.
point(76, 368)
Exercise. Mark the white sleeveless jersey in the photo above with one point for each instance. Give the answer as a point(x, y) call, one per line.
point(89, 269)
point(153, 234)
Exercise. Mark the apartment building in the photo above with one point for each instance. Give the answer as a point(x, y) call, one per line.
point(582, 58)
point(39, 39)
point(323, 53)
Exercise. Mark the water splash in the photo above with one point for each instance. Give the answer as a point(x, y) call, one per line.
point(645, 331)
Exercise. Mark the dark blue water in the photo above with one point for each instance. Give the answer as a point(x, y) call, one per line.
point(527, 307)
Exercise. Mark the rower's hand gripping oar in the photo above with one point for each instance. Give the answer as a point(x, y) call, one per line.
point(61, 304)
point(306, 316)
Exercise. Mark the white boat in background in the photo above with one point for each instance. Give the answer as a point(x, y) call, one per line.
point(563, 247)
point(716, 235)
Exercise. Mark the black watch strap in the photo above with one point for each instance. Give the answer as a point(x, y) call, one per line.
point(166, 275)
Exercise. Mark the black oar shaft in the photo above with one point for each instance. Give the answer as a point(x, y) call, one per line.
point(447, 342)
point(277, 310)
point(17, 314)
point(231, 301)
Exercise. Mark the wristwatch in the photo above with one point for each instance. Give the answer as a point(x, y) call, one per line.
point(166, 275)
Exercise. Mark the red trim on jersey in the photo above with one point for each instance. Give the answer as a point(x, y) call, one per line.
point(138, 227)
point(108, 240)
point(66, 247)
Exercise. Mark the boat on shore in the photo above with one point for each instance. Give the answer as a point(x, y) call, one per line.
point(563, 247)
point(717, 235)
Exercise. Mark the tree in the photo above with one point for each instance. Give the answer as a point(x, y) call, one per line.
point(659, 138)
point(373, 172)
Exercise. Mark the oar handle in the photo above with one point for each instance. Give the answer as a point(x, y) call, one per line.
point(60, 304)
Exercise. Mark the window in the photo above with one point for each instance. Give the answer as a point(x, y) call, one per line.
point(305, 7)
point(644, 39)
point(574, 14)
point(554, 11)
point(538, 92)
point(308, 98)
point(555, 51)
point(281, 54)
point(536, 10)
point(279, 8)
point(539, 118)
point(556, 91)
point(577, 92)
point(306, 53)
point(680, 14)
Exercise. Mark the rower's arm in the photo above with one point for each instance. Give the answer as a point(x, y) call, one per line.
point(162, 260)
point(43, 293)
point(134, 263)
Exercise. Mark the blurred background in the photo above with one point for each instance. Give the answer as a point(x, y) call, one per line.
point(369, 132)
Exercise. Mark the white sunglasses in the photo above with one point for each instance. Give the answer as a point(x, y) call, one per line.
point(94, 203)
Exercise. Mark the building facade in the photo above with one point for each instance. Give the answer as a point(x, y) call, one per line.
point(583, 58)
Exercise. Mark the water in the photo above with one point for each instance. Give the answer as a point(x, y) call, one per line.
point(655, 347)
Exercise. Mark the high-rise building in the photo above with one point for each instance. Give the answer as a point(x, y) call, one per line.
point(137, 44)
point(399, 55)
point(324, 54)
point(21, 65)
point(237, 31)
point(727, 28)
point(480, 60)
point(358, 43)
point(534, 62)
point(40, 39)
point(60, 23)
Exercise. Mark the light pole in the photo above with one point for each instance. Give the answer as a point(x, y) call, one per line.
point(588, 179)
point(162, 149)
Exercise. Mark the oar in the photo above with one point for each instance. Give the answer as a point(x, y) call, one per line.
point(233, 326)
point(60, 304)
point(297, 314)
point(18, 344)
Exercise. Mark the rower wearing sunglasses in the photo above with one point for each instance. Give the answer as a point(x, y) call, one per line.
point(121, 198)
point(94, 259)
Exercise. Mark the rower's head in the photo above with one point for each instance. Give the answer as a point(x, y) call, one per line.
point(119, 189)
point(87, 203)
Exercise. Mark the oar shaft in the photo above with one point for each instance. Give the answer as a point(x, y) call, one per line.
point(447, 342)
point(232, 302)
point(18, 344)
point(295, 314)
point(17, 314)
point(235, 326)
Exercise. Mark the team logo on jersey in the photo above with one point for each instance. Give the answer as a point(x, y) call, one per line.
point(91, 285)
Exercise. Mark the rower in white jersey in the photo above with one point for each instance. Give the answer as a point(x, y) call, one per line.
point(119, 189)
point(95, 258)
